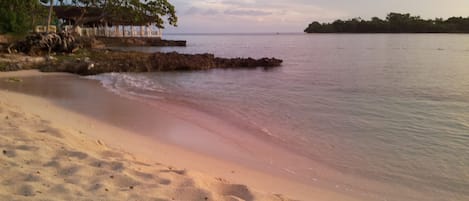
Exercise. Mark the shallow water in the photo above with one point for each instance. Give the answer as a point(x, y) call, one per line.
point(387, 108)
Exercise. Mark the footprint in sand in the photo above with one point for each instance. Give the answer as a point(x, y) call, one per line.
point(31, 178)
point(235, 192)
point(125, 182)
point(51, 131)
point(143, 175)
point(163, 181)
point(26, 148)
point(149, 177)
point(69, 170)
point(53, 163)
point(9, 153)
point(73, 154)
point(172, 170)
point(111, 154)
point(25, 190)
point(191, 193)
point(59, 189)
point(113, 165)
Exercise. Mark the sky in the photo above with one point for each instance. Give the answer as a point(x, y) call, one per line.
point(251, 16)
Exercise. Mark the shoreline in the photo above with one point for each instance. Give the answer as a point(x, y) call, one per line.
point(125, 166)
point(143, 146)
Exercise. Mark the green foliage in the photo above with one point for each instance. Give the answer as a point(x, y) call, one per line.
point(138, 11)
point(19, 16)
point(394, 23)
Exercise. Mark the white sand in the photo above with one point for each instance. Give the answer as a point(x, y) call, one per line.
point(49, 153)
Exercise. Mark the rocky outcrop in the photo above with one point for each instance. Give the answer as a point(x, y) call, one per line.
point(139, 41)
point(14, 62)
point(93, 58)
point(174, 61)
point(115, 61)
point(177, 61)
point(247, 62)
point(41, 43)
point(91, 43)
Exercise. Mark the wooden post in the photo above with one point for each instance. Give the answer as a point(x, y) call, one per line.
point(149, 30)
point(123, 31)
point(141, 31)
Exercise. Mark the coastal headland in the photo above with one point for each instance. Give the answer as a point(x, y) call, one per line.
point(89, 56)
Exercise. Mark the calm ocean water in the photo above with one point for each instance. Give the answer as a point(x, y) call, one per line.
point(389, 108)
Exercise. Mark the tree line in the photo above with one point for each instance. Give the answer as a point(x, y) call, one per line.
point(394, 23)
point(21, 16)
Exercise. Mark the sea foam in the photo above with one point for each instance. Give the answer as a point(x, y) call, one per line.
point(130, 85)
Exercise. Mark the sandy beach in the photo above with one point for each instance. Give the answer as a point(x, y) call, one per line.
point(51, 153)
point(47, 160)
point(165, 100)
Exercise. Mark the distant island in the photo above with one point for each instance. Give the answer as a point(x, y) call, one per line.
point(394, 23)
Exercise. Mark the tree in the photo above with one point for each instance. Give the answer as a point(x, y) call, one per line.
point(394, 23)
point(138, 11)
point(314, 27)
point(19, 16)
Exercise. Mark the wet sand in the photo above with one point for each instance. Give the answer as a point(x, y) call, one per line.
point(82, 121)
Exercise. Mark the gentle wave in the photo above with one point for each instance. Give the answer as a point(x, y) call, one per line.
point(130, 85)
point(396, 117)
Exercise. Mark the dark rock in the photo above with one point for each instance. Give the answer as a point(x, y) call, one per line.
point(139, 41)
point(247, 62)
point(175, 61)
point(91, 43)
point(41, 43)
point(116, 61)
point(11, 67)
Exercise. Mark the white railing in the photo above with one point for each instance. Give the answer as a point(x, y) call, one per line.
point(42, 29)
point(145, 32)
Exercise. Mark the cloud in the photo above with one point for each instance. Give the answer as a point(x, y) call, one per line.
point(242, 12)
point(239, 2)
point(200, 11)
point(249, 15)
point(192, 11)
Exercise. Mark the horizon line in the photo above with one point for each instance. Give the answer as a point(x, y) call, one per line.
point(227, 33)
